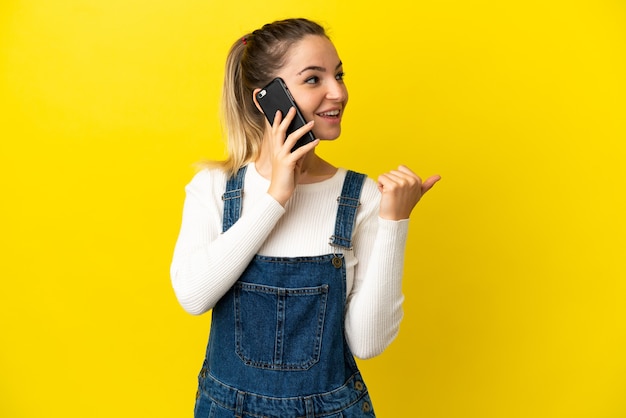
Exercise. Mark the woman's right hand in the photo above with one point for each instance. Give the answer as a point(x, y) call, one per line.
point(286, 165)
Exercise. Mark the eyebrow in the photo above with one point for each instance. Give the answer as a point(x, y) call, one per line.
point(317, 68)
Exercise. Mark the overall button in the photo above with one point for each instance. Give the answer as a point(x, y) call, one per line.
point(337, 262)
point(366, 407)
point(358, 385)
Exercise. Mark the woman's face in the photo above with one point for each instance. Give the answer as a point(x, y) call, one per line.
point(314, 75)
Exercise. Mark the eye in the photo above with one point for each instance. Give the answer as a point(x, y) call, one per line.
point(340, 76)
point(312, 80)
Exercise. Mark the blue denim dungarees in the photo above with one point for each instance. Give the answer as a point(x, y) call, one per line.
point(277, 346)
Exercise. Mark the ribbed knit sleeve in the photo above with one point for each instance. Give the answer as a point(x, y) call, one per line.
point(374, 309)
point(207, 262)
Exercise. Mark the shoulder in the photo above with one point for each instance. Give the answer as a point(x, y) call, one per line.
point(370, 195)
point(370, 190)
point(207, 184)
point(208, 177)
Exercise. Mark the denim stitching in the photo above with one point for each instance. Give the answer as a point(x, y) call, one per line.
point(232, 198)
point(278, 363)
point(347, 205)
point(224, 391)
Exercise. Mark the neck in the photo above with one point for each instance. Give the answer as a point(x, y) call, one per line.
point(313, 167)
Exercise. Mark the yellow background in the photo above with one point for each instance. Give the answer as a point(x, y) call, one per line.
point(516, 276)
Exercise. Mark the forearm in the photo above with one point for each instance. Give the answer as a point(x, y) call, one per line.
point(375, 309)
point(206, 265)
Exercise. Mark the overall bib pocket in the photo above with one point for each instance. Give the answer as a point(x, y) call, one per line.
point(279, 328)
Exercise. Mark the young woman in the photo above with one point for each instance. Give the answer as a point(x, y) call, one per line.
point(300, 261)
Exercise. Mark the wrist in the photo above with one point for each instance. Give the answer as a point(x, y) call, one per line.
point(279, 195)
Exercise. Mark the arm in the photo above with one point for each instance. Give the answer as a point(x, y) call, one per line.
point(375, 303)
point(207, 262)
point(374, 310)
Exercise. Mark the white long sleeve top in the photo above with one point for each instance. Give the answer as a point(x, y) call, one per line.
point(207, 262)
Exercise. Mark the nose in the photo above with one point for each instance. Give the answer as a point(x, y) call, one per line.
point(337, 91)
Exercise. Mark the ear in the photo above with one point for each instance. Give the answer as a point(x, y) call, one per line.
point(256, 102)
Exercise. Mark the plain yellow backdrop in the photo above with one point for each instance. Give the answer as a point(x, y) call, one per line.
point(516, 264)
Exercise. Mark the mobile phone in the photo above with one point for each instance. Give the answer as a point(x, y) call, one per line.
point(276, 96)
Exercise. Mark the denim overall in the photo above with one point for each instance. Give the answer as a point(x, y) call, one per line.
point(277, 346)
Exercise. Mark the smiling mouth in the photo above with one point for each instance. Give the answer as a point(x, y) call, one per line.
point(330, 114)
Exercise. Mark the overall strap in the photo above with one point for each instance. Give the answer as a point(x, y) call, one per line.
point(346, 210)
point(232, 198)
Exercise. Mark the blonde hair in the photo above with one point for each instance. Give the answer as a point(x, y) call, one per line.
point(252, 62)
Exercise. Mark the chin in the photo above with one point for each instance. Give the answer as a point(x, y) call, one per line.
point(328, 136)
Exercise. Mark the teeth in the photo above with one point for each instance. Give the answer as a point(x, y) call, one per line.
point(331, 113)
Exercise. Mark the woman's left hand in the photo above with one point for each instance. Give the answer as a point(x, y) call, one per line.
point(400, 190)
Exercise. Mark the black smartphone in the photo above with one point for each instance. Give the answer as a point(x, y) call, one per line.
point(276, 96)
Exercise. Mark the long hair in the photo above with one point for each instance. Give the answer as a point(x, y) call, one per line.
point(252, 62)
